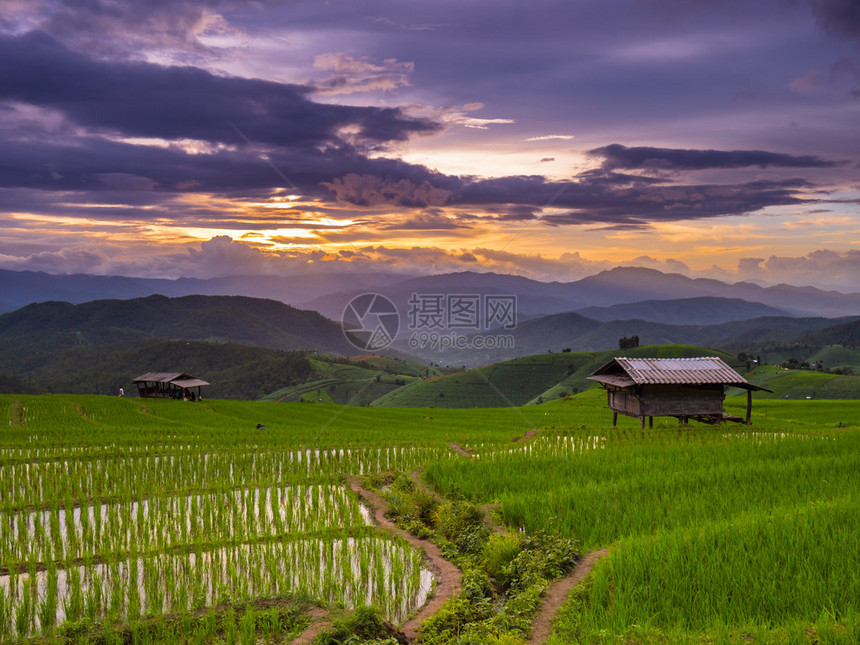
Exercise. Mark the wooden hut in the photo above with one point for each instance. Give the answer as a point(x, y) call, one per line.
point(168, 385)
point(686, 388)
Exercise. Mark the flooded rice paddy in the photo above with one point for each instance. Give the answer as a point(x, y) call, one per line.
point(379, 570)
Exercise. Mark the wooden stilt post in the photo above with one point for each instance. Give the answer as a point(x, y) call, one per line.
point(650, 422)
point(642, 422)
point(749, 407)
point(614, 419)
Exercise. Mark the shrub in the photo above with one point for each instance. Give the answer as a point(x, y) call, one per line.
point(543, 557)
point(499, 552)
point(363, 625)
point(462, 524)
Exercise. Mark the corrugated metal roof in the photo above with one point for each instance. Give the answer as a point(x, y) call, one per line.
point(612, 379)
point(159, 377)
point(702, 370)
point(624, 372)
point(179, 379)
point(189, 382)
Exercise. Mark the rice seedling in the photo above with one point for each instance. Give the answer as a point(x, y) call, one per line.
point(324, 568)
point(112, 511)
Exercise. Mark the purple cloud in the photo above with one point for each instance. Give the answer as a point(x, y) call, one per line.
point(617, 156)
point(146, 100)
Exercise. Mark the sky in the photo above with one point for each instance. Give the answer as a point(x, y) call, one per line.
point(550, 139)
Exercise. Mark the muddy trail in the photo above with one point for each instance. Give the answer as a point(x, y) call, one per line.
point(460, 450)
point(448, 576)
point(528, 435)
point(557, 593)
point(319, 623)
point(487, 510)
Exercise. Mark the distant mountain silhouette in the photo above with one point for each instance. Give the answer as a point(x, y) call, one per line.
point(635, 284)
point(238, 319)
point(20, 288)
point(705, 310)
point(842, 334)
point(330, 293)
point(573, 331)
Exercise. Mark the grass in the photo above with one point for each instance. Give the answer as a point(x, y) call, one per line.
point(527, 380)
point(804, 384)
point(625, 483)
point(715, 532)
point(711, 528)
point(743, 571)
point(358, 382)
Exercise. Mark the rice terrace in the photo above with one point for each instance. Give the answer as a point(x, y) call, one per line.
point(448, 323)
point(129, 520)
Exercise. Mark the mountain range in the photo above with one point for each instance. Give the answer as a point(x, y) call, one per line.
point(705, 310)
point(329, 293)
point(573, 331)
point(31, 334)
point(52, 342)
point(20, 288)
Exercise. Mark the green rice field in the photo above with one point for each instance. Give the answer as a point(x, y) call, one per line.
point(121, 512)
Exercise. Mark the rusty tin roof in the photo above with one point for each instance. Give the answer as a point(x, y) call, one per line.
point(624, 372)
point(179, 379)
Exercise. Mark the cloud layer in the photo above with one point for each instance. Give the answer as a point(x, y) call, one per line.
point(317, 131)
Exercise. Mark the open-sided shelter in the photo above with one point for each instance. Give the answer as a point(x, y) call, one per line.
point(168, 385)
point(686, 388)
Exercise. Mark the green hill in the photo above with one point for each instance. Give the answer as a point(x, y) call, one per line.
point(574, 331)
point(531, 379)
point(847, 333)
point(804, 384)
point(831, 358)
point(235, 371)
point(357, 381)
point(243, 346)
point(834, 356)
point(247, 321)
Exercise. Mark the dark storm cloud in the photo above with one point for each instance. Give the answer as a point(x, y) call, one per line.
point(516, 213)
point(593, 200)
point(839, 17)
point(152, 175)
point(617, 156)
point(427, 221)
point(95, 164)
point(302, 141)
point(147, 100)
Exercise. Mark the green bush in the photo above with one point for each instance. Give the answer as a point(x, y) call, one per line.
point(499, 552)
point(543, 557)
point(426, 506)
point(453, 617)
point(462, 524)
point(364, 625)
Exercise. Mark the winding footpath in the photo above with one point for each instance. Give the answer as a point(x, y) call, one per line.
point(448, 576)
point(557, 593)
point(317, 625)
point(460, 450)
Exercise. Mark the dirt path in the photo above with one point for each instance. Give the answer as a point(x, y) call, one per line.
point(557, 593)
point(460, 451)
point(488, 509)
point(448, 577)
point(317, 625)
point(415, 476)
point(528, 435)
